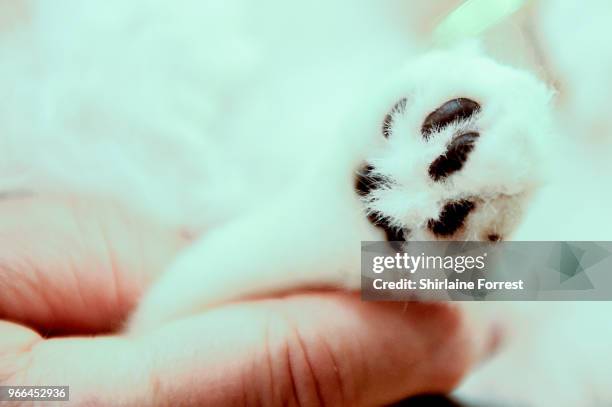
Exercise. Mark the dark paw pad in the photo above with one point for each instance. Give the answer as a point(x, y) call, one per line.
point(458, 150)
point(399, 107)
point(451, 218)
point(366, 182)
point(455, 156)
point(494, 237)
point(451, 111)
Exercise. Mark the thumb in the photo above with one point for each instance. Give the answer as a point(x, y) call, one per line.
point(311, 349)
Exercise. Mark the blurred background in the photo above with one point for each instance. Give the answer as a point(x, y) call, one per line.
point(234, 97)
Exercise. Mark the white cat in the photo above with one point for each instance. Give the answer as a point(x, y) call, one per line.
point(245, 124)
point(201, 135)
point(451, 150)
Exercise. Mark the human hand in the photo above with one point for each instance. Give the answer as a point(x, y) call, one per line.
point(69, 266)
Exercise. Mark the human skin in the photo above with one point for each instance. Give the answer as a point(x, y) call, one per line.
point(72, 269)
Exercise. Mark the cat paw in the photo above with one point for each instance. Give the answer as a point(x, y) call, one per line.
point(461, 151)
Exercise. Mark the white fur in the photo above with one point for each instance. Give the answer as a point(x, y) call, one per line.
point(172, 109)
point(129, 106)
point(310, 235)
point(509, 157)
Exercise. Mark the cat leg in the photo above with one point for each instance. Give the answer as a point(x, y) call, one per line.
point(298, 242)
